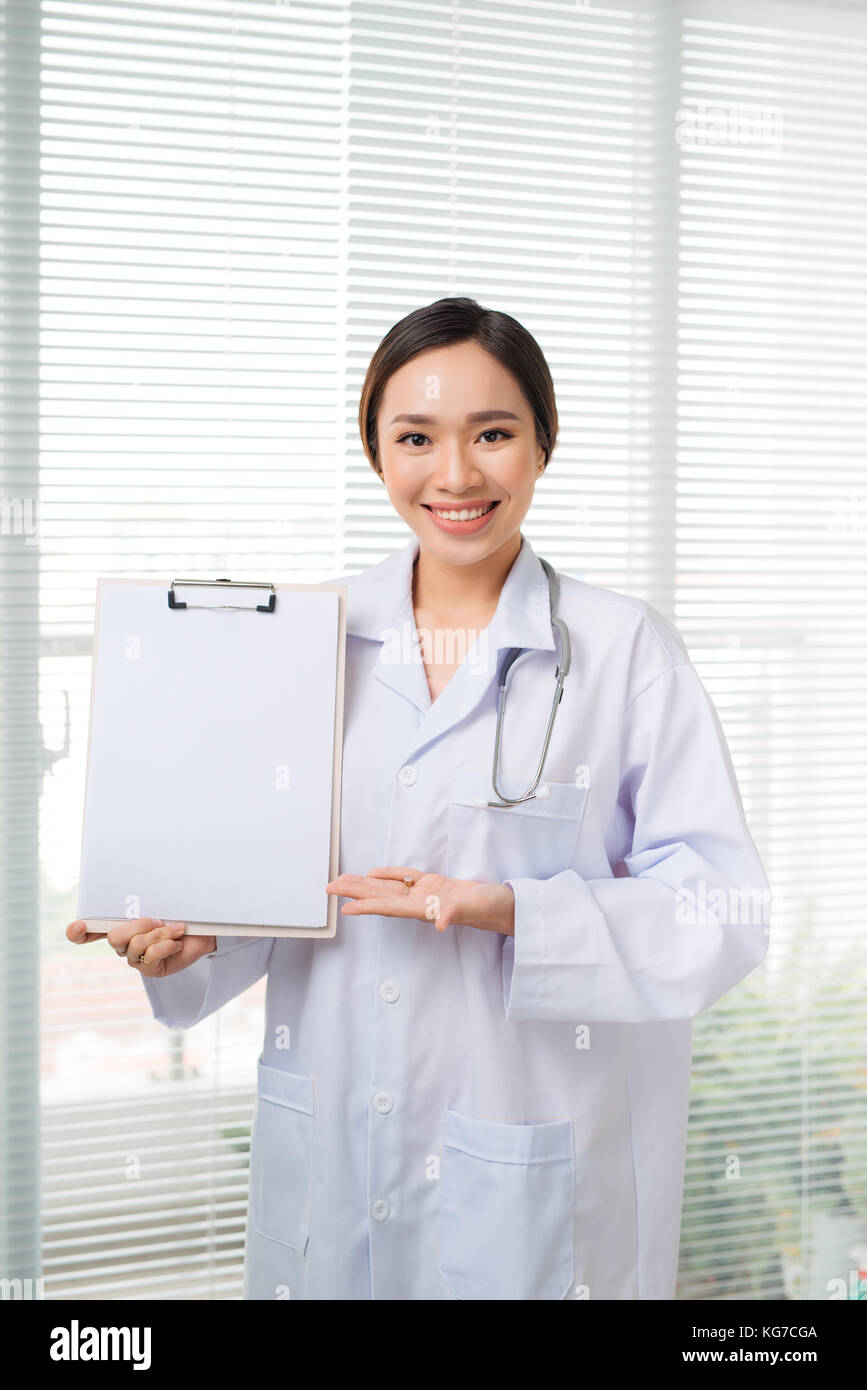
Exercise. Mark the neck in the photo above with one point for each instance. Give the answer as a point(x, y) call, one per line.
point(454, 589)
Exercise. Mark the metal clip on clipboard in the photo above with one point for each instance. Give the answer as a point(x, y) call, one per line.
point(268, 607)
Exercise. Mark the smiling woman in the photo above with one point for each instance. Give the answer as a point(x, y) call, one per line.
point(472, 471)
point(463, 477)
point(478, 1089)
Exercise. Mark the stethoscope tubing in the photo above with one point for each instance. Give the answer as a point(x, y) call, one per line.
point(563, 665)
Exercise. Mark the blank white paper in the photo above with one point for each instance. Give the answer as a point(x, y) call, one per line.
point(210, 761)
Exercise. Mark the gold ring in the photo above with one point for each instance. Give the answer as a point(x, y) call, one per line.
point(141, 957)
point(407, 883)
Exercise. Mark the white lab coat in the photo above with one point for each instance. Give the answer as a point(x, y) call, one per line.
point(467, 1115)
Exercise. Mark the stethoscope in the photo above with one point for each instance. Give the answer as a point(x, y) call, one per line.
point(560, 676)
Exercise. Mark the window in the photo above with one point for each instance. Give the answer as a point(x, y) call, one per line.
point(213, 212)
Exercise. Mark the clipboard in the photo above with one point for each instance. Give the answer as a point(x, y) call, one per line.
point(214, 757)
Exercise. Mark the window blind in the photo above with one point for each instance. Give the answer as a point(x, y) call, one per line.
point(771, 589)
point(192, 258)
point(21, 747)
point(236, 200)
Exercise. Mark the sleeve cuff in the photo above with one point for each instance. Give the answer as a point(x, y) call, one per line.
point(553, 942)
point(184, 999)
point(229, 943)
point(524, 970)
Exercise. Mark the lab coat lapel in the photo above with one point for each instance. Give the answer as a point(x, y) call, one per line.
point(381, 609)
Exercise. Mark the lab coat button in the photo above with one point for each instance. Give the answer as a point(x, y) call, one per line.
point(382, 1102)
point(389, 991)
point(379, 1211)
point(408, 775)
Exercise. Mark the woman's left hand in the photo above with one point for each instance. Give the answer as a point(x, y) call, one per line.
point(432, 898)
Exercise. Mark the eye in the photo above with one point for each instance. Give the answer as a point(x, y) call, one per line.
point(414, 435)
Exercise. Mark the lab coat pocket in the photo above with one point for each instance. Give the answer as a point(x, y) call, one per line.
point(281, 1156)
point(535, 839)
point(506, 1209)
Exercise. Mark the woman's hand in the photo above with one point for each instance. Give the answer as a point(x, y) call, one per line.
point(444, 901)
point(165, 948)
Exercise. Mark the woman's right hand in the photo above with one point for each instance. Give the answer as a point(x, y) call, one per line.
point(164, 945)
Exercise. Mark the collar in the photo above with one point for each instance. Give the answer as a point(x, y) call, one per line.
point(380, 598)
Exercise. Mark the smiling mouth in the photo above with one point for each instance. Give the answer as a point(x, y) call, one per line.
point(461, 513)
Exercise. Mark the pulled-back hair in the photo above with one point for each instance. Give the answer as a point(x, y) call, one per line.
point(460, 320)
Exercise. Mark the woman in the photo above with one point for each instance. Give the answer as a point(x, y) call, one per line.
point(478, 1089)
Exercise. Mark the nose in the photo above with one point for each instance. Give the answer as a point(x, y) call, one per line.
point(456, 470)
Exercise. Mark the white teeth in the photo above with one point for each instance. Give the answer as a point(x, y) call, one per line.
point(463, 515)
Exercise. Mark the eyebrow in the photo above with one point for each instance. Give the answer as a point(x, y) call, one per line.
point(475, 418)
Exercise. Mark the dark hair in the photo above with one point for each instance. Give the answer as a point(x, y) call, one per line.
point(448, 321)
